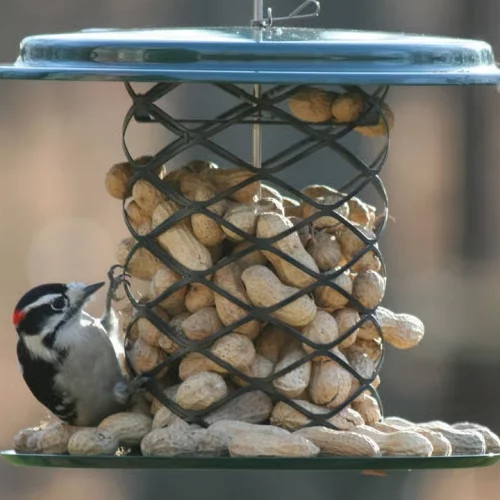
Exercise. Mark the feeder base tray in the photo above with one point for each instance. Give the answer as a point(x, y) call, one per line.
point(250, 463)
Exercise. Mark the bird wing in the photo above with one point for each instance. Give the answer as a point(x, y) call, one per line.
point(39, 376)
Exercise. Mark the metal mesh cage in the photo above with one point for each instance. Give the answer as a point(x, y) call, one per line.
point(247, 183)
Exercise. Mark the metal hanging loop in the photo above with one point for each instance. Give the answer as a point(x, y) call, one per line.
point(296, 14)
point(260, 22)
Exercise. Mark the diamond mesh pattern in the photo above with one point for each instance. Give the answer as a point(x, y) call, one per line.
point(189, 133)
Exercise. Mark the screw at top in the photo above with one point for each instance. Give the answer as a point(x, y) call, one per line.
point(258, 11)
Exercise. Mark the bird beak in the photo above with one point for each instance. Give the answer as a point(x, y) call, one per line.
point(81, 295)
point(89, 290)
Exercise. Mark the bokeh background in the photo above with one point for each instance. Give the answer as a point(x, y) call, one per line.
point(443, 249)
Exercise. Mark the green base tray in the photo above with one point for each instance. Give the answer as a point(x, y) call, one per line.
point(221, 463)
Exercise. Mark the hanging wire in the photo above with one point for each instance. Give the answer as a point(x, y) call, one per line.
point(260, 22)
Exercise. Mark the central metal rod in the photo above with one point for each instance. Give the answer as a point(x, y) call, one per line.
point(258, 10)
point(257, 132)
point(258, 18)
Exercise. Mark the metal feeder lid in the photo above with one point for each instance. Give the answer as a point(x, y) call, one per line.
point(255, 55)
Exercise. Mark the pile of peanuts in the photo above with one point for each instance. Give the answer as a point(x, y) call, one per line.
point(253, 423)
point(315, 105)
point(233, 431)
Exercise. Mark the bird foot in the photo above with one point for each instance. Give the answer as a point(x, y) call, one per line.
point(114, 284)
point(124, 390)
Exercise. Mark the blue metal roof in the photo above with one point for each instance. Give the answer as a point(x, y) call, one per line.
point(251, 55)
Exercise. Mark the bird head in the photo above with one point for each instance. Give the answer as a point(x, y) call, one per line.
point(45, 308)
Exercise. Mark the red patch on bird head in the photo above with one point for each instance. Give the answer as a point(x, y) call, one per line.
point(17, 317)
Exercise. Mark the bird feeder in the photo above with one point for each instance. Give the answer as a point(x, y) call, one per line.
point(263, 304)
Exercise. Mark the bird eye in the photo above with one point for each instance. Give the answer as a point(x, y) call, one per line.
point(58, 304)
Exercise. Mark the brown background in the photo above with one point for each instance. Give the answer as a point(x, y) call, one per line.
point(58, 139)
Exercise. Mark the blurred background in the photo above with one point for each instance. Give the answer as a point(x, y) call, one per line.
point(442, 250)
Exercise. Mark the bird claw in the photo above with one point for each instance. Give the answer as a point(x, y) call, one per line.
point(112, 269)
point(123, 391)
point(138, 383)
point(115, 281)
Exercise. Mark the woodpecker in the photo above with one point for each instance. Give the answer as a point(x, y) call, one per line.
point(67, 357)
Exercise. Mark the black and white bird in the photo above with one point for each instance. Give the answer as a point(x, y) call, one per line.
point(67, 356)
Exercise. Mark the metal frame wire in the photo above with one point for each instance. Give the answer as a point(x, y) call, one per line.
point(189, 133)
